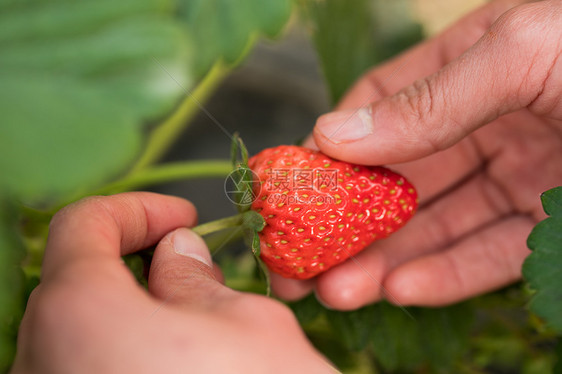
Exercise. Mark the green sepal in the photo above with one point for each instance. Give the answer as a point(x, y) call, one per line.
point(238, 152)
point(242, 176)
point(254, 221)
point(245, 180)
point(243, 152)
point(234, 151)
point(265, 272)
point(252, 240)
point(256, 246)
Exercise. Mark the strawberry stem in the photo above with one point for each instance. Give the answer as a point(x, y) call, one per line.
point(168, 131)
point(218, 225)
point(247, 220)
point(165, 173)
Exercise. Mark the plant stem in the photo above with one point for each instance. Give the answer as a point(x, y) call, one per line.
point(167, 173)
point(218, 225)
point(167, 132)
point(248, 219)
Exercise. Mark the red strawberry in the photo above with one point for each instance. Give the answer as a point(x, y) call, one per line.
point(320, 211)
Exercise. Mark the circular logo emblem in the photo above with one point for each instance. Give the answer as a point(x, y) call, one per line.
point(242, 186)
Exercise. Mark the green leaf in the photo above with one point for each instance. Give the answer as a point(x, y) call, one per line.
point(552, 202)
point(223, 29)
point(307, 309)
point(444, 333)
point(136, 265)
point(129, 59)
point(12, 282)
point(558, 364)
point(541, 269)
point(79, 81)
point(545, 240)
point(36, 20)
point(55, 137)
point(396, 338)
point(352, 36)
point(434, 337)
point(335, 351)
point(355, 327)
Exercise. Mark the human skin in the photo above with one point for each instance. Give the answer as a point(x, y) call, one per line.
point(89, 315)
point(478, 133)
point(472, 118)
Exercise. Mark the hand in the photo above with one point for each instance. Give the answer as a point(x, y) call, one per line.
point(478, 132)
point(89, 315)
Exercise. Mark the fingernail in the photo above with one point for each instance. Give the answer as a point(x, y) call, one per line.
point(346, 126)
point(189, 244)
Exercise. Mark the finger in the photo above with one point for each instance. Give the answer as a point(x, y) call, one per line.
point(421, 60)
point(217, 273)
point(483, 262)
point(105, 228)
point(441, 171)
point(474, 205)
point(343, 291)
point(424, 59)
point(501, 73)
point(464, 210)
point(309, 143)
point(182, 270)
point(290, 289)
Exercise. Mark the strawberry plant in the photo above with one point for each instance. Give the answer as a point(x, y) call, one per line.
point(93, 94)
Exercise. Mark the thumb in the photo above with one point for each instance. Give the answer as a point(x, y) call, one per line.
point(182, 269)
point(509, 68)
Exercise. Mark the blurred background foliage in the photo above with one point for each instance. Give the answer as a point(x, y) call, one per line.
point(96, 96)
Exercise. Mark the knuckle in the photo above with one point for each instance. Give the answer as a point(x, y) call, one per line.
point(419, 100)
point(529, 35)
point(90, 203)
point(50, 306)
point(520, 25)
point(424, 116)
point(439, 231)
